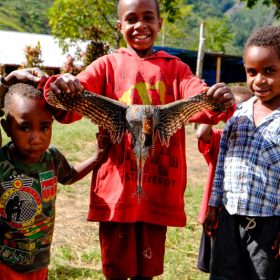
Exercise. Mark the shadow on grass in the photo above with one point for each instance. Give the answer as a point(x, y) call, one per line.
point(71, 273)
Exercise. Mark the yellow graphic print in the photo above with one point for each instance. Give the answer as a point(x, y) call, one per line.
point(144, 92)
point(17, 184)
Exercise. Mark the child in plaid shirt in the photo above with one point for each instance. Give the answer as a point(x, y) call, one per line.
point(247, 179)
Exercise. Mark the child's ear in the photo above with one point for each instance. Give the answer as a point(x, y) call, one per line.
point(6, 126)
point(119, 25)
point(160, 22)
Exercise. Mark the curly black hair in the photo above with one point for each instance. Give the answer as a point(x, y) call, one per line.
point(20, 90)
point(157, 8)
point(268, 36)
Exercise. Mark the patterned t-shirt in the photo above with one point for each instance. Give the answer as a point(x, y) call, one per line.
point(27, 208)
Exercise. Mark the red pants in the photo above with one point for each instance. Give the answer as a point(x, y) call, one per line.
point(132, 249)
point(6, 273)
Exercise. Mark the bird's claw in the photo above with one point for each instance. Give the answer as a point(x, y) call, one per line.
point(139, 192)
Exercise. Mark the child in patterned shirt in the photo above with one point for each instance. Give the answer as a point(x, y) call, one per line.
point(30, 168)
point(247, 178)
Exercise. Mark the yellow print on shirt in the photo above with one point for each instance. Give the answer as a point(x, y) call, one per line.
point(144, 91)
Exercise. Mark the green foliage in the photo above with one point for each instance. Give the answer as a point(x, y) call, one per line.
point(71, 25)
point(184, 33)
point(217, 34)
point(172, 33)
point(171, 9)
point(274, 3)
point(24, 15)
point(93, 22)
point(231, 15)
point(249, 19)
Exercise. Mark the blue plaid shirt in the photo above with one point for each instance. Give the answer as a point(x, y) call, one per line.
point(247, 178)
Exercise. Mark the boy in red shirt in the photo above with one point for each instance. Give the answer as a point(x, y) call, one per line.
point(132, 234)
point(208, 146)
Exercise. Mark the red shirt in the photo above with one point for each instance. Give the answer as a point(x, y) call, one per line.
point(210, 152)
point(158, 79)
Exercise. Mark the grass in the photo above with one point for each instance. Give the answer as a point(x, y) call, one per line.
point(75, 249)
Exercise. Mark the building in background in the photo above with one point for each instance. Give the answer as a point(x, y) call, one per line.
point(216, 66)
point(13, 44)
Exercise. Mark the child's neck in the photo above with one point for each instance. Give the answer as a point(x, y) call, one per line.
point(142, 53)
point(263, 109)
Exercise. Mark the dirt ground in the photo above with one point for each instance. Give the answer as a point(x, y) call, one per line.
point(72, 207)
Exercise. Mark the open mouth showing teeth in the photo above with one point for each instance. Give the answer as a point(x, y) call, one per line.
point(261, 91)
point(141, 37)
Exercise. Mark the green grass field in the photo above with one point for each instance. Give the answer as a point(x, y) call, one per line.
point(75, 250)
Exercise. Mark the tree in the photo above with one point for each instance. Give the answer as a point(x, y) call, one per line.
point(185, 32)
point(250, 19)
point(172, 32)
point(276, 3)
point(217, 34)
point(72, 21)
point(171, 9)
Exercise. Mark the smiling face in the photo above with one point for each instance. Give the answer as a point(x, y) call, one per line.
point(139, 24)
point(30, 128)
point(262, 66)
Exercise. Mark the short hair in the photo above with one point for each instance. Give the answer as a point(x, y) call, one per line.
point(239, 90)
point(157, 8)
point(268, 36)
point(20, 90)
point(241, 93)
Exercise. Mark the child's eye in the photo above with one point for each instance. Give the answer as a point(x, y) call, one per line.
point(131, 19)
point(149, 18)
point(251, 72)
point(24, 128)
point(269, 71)
point(45, 128)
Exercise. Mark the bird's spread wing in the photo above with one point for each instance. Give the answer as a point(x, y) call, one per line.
point(171, 117)
point(101, 110)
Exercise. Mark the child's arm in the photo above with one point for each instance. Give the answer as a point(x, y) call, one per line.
point(204, 132)
point(85, 167)
point(276, 246)
point(210, 222)
point(26, 75)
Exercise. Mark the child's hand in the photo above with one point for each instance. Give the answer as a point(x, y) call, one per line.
point(221, 94)
point(66, 83)
point(27, 75)
point(210, 222)
point(276, 246)
point(103, 144)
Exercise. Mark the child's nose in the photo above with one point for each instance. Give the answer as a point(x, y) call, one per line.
point(260, 79)
point(139, 24)
point(35, 138)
